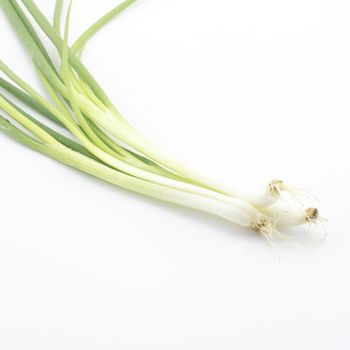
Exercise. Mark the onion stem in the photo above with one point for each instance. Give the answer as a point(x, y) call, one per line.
point(102, 143)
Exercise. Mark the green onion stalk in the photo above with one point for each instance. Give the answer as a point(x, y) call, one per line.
point(102, 142)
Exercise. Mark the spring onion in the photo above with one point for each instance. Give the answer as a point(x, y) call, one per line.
point(103, 143)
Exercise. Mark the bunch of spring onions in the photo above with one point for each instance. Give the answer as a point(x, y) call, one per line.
point(104, 144)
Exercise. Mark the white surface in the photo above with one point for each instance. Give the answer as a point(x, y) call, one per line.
point(249, 90)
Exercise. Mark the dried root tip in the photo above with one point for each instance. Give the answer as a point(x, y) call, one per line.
point(266, 227)
point(311, 215)
point(275, 187)
point(278, 189)
point(260, 224)
point(263, 225)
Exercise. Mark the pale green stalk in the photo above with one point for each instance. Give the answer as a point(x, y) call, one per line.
point(27, 100)
point(48, 29)
point(58, 41)
point(89, 166)
point(108, 159)
point(26, 123)
point(32, 33)
point(85, 89)
point(56, 135)
point(129, 156)
point(31, 40)
point(57, 16)
point(66, 75)
point(92, 30)
point(112, 120)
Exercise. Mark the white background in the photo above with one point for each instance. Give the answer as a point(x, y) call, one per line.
point(245, 90)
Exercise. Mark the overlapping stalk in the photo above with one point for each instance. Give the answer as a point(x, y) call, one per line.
point(104, 144)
